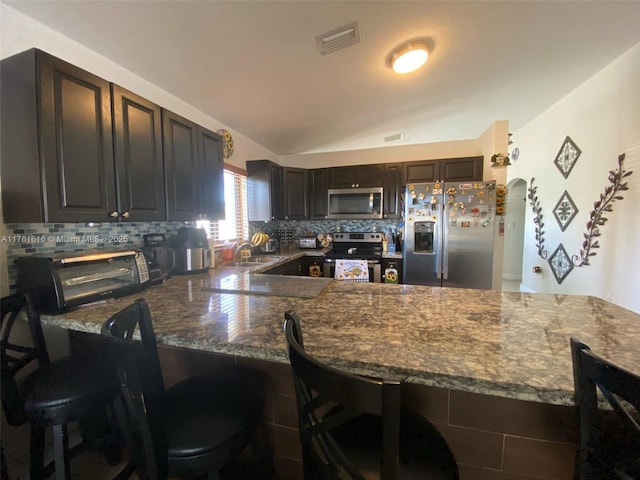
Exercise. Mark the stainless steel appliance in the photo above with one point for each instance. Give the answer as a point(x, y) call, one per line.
point(62, 281)
point(355, 202)
point(270, 247)
point(449, 234)
point(160, 256)
point(355, 246)
point(192, 252)
point(307, 242)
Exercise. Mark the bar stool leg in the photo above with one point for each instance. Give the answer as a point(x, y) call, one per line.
point(37, 453)
point(61, 452)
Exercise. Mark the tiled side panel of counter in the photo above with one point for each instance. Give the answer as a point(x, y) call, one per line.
point(492, 438)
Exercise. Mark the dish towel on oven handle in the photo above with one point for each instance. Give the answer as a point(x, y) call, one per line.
point(352, 270)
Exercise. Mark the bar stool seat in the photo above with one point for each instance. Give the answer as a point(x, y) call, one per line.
point(54, 394)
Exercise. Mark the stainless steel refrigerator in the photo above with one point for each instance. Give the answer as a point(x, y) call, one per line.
point(449, 234)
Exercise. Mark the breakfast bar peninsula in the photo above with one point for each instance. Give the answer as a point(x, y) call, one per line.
point(492, 370)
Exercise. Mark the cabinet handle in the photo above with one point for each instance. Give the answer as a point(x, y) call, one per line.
point(125, 215)
point(113, 214)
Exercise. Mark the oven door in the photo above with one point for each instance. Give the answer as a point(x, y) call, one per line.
point(375, 270)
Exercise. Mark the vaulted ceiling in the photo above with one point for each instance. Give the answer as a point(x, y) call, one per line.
point(255, 65)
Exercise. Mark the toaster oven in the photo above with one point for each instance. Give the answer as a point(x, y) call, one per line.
point(59, 282)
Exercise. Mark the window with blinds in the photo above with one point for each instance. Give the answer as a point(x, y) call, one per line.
point(236, 224)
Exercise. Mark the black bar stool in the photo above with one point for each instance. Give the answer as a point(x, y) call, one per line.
point(54, 394)
point(352, 427)
point(192, 428)
point(609, 440)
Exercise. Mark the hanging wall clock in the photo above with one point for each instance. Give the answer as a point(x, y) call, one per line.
point(227, 142)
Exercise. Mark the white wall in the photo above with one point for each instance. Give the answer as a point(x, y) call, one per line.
point(20, 33)
point(401, 153)
point(602, 116)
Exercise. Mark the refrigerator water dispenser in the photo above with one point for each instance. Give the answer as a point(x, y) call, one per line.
point(424, 237)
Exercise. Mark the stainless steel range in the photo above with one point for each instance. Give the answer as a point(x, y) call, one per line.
point(356, 246)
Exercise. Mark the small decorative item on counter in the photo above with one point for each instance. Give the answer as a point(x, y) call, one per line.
point(500, 160)
point(391, 274)
point(315, 270)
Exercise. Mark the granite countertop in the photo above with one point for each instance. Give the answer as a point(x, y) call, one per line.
point(509, 344)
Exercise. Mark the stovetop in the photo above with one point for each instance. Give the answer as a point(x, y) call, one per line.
point(356, 246)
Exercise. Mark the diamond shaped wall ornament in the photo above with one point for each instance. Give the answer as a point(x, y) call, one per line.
point(567, 156)
point(565, 210)
point(560, 264)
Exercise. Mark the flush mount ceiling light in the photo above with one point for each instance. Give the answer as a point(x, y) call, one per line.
point(409, 56)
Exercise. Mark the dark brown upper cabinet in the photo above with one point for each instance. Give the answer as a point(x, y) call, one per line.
point(462, 169)
point(356, 176)
point(138, 155)
point(296, 193)
point(422, 171)
point(57, 142)
point(194, 170)
point(181, 167)
point(210, 146)
point(393, 183)
point(318, 193)
point(264, 190)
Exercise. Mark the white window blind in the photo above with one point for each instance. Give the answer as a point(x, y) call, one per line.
point(236, 224)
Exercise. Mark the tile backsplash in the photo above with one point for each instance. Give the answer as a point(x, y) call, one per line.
point(24, 239)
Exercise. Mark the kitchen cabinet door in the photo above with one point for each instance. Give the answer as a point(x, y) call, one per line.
point(370, 175)
point(356, 176)
point(211, 166)
point(264, 191)
point(461, 169)
point(57, 144)
point(422, 171)
point(296, 193)
point(318, 193)
point(180, 139)
point(393, 184)
point(138, 157)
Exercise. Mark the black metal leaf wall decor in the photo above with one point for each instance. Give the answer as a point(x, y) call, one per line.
point(565, 210)
point(567, 156)
point(603, 205)
point(537, 219)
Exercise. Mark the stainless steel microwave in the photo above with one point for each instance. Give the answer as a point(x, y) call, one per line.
point(62, 281)
point(355, 202)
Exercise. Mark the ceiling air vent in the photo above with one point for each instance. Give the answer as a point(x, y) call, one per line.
point(338, 38)
point(394, 137)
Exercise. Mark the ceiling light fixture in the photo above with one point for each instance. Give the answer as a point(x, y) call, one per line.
point(409, 56)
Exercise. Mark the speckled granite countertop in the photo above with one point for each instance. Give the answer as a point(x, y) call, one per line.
point(508, 344)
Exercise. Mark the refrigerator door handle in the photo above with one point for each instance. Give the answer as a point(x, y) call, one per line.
point(445, 239)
